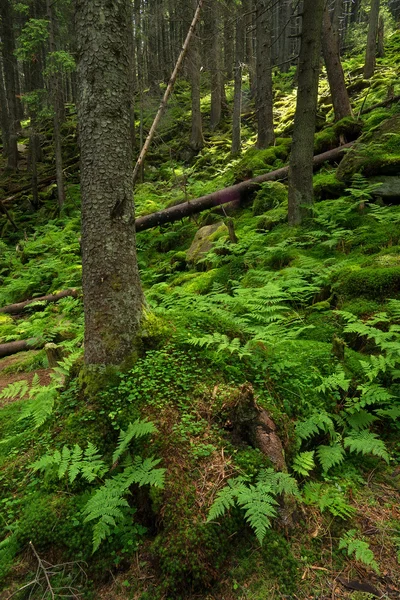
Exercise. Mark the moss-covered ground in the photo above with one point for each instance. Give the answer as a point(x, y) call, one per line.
point(308, 317)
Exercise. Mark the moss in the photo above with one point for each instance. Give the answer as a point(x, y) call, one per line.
point(272, 218)
point(369, 282)
point(326, 185)
point(362, 307)
point(324, 140)
point(271, 195)
point(349, 127)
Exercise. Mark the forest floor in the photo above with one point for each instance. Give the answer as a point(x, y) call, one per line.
point(301, 324)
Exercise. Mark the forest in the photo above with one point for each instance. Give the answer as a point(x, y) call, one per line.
point(199, 299)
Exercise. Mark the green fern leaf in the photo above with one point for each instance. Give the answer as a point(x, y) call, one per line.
point(137, 429)
point(317, 422)
point(366, 442)
point(259, 506)
point(281, 483)
point(64, 463)
point(360, 548)
point(330, 456)
point(18, 389)
point(361, 419)
point(304, 463)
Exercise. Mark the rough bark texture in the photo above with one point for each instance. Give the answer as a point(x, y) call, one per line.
point(58, 108)
point(237, 94)
point(301, 157)
point(231, 194)
point(370, 52)
point(4, 118)
point(8, 48)
point(196, 135)
point(264, 93)
point(334, 69)
point(111, 286)
point(16, 309)
point(215, 65)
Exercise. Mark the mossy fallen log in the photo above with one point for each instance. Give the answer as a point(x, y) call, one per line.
point(20, 346)
point(230, 194)
point(16, 309)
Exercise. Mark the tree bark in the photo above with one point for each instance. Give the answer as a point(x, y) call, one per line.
point(370, 53)
point(4, 116)
point(113, 298)
point(264, 92)
point(237, 94)
point(58, 108)
point(334, 69)
point(215, 65)
point(231, 194)
point(301, 156)
point(16, 309)
point(196, 136)
point(8, 48)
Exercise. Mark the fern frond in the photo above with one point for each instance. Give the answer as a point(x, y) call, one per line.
point(303, 463)
point(327, 497)
point(361, 419)
point(18, 389)
point(330, 456)
point(281, 483)
point(225, 499)
point(360, 548)
point(366, 442)
point(317, 422)
point(41, 404)
point(259, 506)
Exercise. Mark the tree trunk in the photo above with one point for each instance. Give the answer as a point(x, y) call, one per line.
point(8, 48)
point(334, 69)
point(370, 53)
point(196, 136)
point(381, 38)
point(215, 65)
point(58, 108)
point(301, 156)
point(264, 95)
point(237, 94)
point(112, 293)
point(4, 117)
point(249, 56)
point(228, 45)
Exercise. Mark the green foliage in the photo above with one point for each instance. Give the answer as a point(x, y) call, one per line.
point(257, 500)
point(303, 463)
point(355, 545)
point(108, 501)
point(32, 36)
point(327, 497)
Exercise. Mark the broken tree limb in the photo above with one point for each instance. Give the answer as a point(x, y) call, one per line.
point(16, 309)
point(20, 346)
point(167, 92)
point(230, 194)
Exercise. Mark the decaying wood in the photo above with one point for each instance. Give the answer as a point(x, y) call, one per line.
point(54, 354)
point(20, 346)
point(230, 194)
point(386, 102)
point(16, 309)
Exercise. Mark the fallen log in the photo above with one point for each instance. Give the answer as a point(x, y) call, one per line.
point(230, 194)
point(16, 309)
point(20, 346)
point(380, 104)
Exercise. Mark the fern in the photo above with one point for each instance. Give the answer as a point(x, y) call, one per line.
point(365, 442)
point(318, 422)
point(15, 390)
point(137, 429)
point(86, 463)
point(303, 463)
point(330, 456)
point(257, 500)
point(360, 548)
point(327, 497)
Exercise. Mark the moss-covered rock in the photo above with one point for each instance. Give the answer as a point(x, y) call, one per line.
point(327, 186)
point(271, 195)
point(204, 240)
point(369, 282)
point(377, 152)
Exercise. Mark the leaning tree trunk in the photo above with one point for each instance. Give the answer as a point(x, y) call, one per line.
point(334, 69)
point(301, 156)
point(264, 93)
point(370, 53)
point(111, 287)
